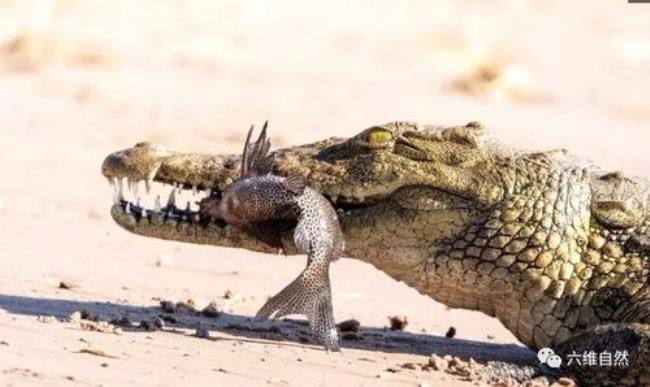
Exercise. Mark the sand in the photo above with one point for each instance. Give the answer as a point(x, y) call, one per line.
point(80, 79)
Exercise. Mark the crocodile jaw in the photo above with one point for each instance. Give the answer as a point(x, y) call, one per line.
point(156, 191)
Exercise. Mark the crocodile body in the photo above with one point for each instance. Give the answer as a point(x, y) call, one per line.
point(554, 247)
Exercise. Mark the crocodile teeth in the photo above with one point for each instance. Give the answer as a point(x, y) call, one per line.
point(149, 180)
point(133, 187)
point(144, 213)
point(171, 202)
point(128, 208)
point(187, 207)
point(120, 188)
point(195, 189)
point(157, 205)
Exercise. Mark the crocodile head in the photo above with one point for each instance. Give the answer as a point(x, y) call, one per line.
point(545, 242)
point(376, 180)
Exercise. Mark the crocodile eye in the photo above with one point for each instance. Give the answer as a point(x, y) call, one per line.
point(377, 136)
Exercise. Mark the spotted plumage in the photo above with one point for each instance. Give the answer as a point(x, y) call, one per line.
point(266, 206)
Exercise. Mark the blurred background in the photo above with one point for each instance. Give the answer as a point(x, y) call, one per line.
point(91, 74)
point(82, 78)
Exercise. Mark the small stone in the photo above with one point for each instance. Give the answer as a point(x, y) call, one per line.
point(3, 342)
point(212, 310)
point(187, 306)
point(350, 325)
point(437, 363)
point(96, 352)
point(229, 294)
point(67, 285)
point(489, 336)
point(409, 366)
point(97, 326)
point(451, 333)
point(398, 323)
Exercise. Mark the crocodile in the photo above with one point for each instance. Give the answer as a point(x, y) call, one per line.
point(554, 247)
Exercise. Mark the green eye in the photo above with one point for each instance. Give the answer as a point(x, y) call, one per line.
point(378, 136)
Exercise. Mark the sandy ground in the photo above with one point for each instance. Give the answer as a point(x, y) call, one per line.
point(80, 79)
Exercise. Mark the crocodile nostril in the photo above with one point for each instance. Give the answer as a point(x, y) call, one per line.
point(111, 164)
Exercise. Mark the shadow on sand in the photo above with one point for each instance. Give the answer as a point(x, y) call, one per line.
point(285, 332)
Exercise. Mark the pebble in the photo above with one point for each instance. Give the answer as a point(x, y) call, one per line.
point(212, 310)
point(67, 285)
point(438, 363)
point(398, 323)
point(350, 325)
point(451, 333)
point(409, 366)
